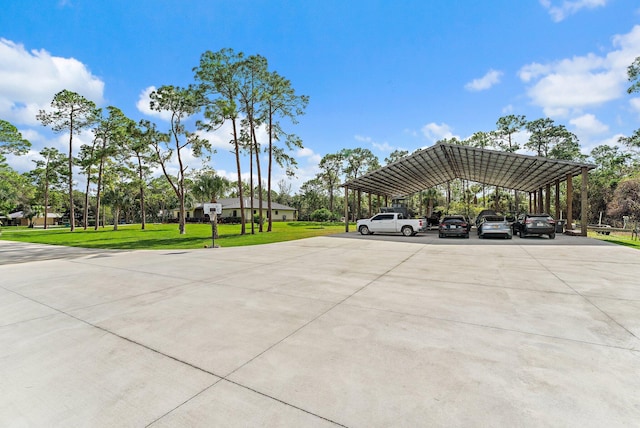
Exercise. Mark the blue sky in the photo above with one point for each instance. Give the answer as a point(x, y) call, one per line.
point(383, 75)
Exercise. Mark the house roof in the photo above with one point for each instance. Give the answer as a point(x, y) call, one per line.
point(234, 203)
point(441, 163)
point(20, 214)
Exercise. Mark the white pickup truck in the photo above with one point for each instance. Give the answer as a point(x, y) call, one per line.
point(391, 223)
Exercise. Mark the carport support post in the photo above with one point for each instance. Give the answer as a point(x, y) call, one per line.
point(370, 215)
point(547, 199)
point(540, 201)
point(569, 202)
point(346, 209)
point(557, 199)
point(530, 204)
point(535, 202)
point(584, 199)
point(378, 205)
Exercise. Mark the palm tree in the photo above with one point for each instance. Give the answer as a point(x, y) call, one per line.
point(209, 187)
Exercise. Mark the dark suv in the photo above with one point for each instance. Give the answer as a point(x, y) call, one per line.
point(535, 224)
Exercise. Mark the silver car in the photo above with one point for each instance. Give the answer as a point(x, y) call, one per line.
point(495, 225)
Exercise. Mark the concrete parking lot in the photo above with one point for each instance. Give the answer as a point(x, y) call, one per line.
point(332, 331)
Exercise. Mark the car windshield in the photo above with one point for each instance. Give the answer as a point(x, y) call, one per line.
point(453, 220)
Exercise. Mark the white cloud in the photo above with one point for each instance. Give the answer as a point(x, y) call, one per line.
point(588, 124)
point(143, 105)
point(587, 145)
point(383, 147)
point(485, 82)
point(362, 139)
point(24, 162)
point(232, 176)
point(189, 160)
point(532, 71)
point(32, 135)
point(611, 141)
point(308, 154)
point(589, 131)
point(508, 109)
point(569, 7)
point(221, 138)
point(435, 132)
point(569, 85)
point(30, 79)
point(635, 104)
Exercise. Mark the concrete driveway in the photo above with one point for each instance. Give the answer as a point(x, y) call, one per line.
point(328, 331)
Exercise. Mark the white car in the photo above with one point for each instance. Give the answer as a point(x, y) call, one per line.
point(391, 223)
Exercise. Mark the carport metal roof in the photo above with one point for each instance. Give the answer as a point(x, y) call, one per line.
point(440, 163)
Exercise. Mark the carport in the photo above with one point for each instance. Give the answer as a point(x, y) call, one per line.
point(438, 164)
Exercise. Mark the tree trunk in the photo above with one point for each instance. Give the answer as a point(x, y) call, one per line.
point(116, 218)
point(253, 231)
point(72, 213)
point(46, 198)
point(98, 194)
point(331, 197)
point(86, 194)
point(85, 215)
point(181, 192)
point(259, 178)
point(99, 190)
point(182, 221)
point(270, 213)
point(243, 229)
point(142, 211)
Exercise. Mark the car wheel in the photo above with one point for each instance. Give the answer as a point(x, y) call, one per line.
point(440, 235)
point(407, 231)
point(364, 230)
point(522, 234)
point(466, 236)
point(552, 236)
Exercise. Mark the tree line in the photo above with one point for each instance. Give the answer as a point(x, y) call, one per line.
point(229, 88)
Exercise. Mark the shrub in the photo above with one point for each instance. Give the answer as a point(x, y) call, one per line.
point(322, 214)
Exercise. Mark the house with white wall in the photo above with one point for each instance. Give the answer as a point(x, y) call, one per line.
point(231, 209)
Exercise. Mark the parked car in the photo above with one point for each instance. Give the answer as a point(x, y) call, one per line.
point(535, 224)
point(482, 215)
point(495, 225)
point(453, 225)
point(391, 223)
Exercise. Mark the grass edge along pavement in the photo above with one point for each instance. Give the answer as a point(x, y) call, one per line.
point(167, 236)
point(616, 238)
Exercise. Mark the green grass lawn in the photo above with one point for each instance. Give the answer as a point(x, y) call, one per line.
point(167, 236)
point(618, 238)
